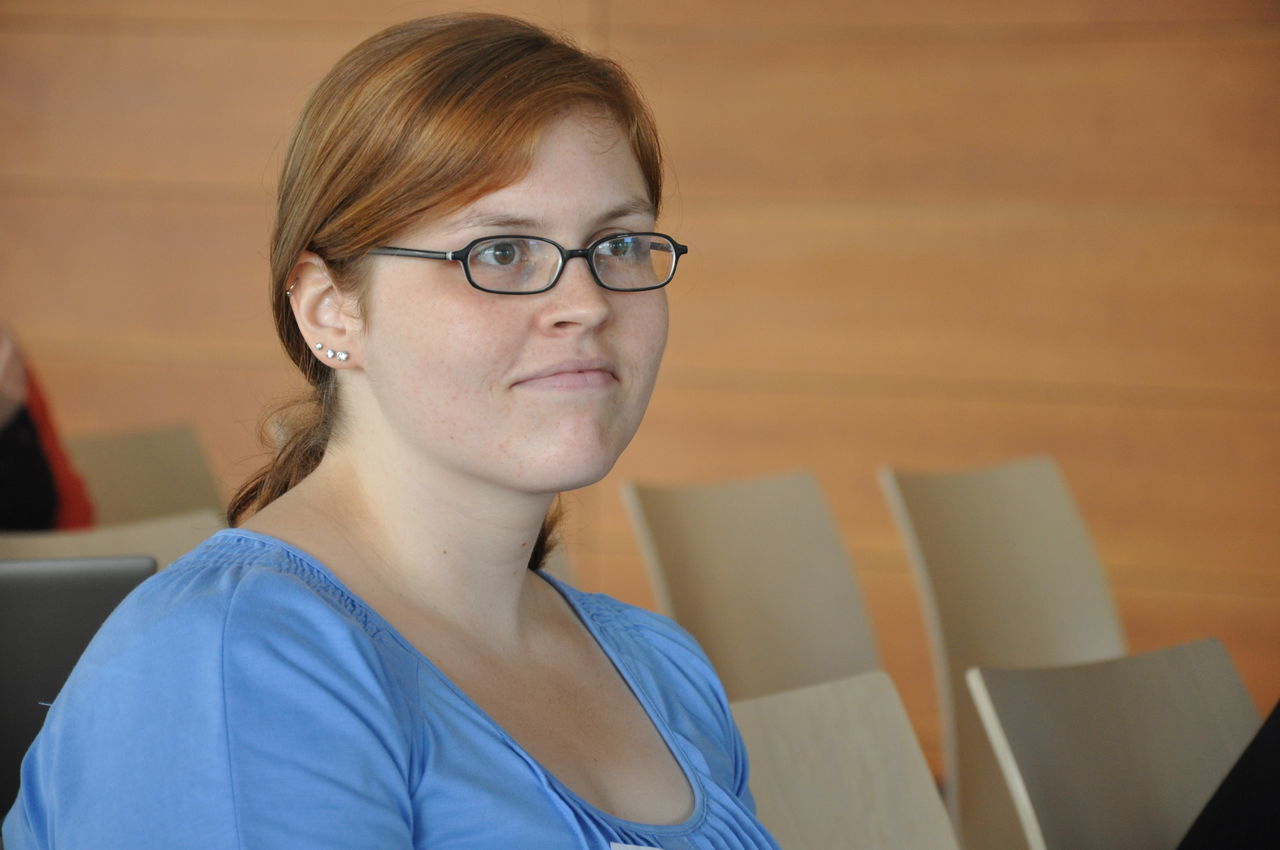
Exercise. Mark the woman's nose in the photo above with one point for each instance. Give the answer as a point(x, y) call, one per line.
point(576, 300)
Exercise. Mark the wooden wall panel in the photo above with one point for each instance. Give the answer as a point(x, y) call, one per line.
point(133, 262)
point(222, 401)
point(739, 18)
point(850, 294)
point(1173, 487)
point(1079, 301)
point(572, 15)
point(735, 16)
point(146, 107)
point(93, 102)
point(1064, 119)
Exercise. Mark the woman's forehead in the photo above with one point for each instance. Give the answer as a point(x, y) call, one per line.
point(582, 168)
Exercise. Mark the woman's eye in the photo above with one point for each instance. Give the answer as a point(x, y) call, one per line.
point(498, 253)
point(625, 246)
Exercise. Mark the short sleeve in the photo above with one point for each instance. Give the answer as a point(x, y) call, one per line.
point(318, 750)
point(257, 718)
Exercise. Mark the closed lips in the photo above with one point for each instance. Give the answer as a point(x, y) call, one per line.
point(572, 374)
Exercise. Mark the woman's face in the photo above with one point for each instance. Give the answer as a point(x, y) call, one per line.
point(539, 393)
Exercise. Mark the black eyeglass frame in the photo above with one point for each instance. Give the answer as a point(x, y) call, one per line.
point(463, 254)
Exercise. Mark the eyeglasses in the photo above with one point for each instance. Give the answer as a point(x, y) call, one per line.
point(526, 265)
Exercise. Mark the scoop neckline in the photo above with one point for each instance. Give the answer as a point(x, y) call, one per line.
point(574, 598)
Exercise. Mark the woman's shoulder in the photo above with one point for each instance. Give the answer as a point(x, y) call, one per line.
point(239, 627)
point(224, 669)
point(237, 595)
point(232, 576)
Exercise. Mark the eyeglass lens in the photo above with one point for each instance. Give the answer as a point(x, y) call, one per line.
point(529, 264)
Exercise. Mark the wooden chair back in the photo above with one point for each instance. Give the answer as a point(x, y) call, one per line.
point(1118, 753)
point(1008, 577)
point(837, 765)
point(756, 572)
point(142, 474)
point(164, 538)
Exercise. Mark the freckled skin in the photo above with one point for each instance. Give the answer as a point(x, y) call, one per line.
point(442, 362)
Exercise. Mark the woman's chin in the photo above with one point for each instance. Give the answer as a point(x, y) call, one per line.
point(572, 463)
point(568, 474)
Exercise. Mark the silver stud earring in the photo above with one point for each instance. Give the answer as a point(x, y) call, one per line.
point(331, 354)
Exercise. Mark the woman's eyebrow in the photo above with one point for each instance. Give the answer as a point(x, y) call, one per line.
point(636, 206)
point(504, 220)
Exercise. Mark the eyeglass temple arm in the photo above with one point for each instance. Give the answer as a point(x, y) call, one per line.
point(389, 251)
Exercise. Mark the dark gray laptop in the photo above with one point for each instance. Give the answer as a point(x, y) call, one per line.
point(49, 609)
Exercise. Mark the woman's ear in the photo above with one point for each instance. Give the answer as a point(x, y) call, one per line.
point(328, 318)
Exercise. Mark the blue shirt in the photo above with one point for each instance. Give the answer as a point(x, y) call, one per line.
point(244, 698)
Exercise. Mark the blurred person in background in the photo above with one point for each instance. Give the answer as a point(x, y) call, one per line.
point(39, 489)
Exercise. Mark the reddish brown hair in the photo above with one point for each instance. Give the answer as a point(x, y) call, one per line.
point(417, 121)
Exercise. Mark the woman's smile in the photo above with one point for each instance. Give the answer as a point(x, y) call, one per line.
point(571, 375)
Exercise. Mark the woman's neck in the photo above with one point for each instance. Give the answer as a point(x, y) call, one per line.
point(419, 547)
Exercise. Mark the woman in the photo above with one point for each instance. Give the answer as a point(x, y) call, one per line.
point(371, 660)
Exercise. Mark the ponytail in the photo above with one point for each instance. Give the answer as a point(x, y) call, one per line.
point(297, 432)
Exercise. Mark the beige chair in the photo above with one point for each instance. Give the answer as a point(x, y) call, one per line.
point(1008, 578)
point(164, 538)
point(837, 765)
point(756, 572)
point(137, 475)
point(1118, 753)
